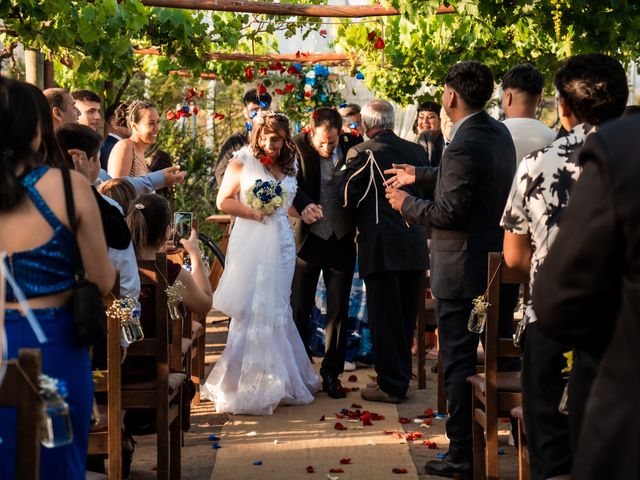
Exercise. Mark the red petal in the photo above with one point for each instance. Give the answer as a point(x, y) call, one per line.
point(339, 416)
point(399, 470)
point(428, 422)
point(340, 426)
point(248, 73)
point(372, 35)
point(336, 470)
point(366, 419)
point(292, 70)
point(345, 461)
point(429, 412)
point(379, 43)
point(404, 420)
point(310, 469)
point(353, 378)
point(289, 87)
point(323, 33)
point(279, 91)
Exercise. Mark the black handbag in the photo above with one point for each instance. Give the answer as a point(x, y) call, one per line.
point(88, 307)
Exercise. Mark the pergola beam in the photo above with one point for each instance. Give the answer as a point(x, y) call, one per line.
point(335, 58)
point(284, 9)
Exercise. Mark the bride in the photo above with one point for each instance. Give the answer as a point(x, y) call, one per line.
point(264, 363)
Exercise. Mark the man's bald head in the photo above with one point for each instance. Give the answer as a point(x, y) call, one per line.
point(63, 110)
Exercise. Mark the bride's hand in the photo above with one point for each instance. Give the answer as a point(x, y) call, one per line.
point(258, 216)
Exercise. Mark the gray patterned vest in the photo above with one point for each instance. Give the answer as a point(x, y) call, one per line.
point(335, 218)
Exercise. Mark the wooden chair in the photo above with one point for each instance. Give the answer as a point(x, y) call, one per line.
point(494, 394)
point(164, 393)
point(18, 390)
point(524, 467)
point(106, 437)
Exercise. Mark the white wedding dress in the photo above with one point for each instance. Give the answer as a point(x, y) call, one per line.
point(264, 363)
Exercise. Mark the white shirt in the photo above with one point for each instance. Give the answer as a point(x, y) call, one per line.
point(528, 135)
point(456, 126)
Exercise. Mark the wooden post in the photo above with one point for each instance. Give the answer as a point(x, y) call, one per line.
point(284, 9)
point(34, 67)
point(49, 81)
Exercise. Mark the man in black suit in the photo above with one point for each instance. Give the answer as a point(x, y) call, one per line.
point(392, 256)
point(473, 184)
point(115, 129)
point(324, 238)
point(587, 294)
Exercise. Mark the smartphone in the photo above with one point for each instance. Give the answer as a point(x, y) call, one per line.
point(181, 226)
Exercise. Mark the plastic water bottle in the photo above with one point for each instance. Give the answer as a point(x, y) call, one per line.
point(54, 417)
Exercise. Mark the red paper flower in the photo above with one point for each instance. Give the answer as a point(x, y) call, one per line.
point(345, 461)
point(308, 94)
point(267, 161)
point(428, 412)
point(353, 378)
point(413, 436)
point(404, 420)
point(366, 419)
point(339, 426)
point(399, 470)
point(379, 43)
point(323, 33)
point(195, 110)
point(292, 70)
point(289, 87)
point(248, 72)
point(372, 35)
point(279, 91)
point(298, 54)
point(171, 115)
point(336, 470)
point(430, 444)
point(375, 417)
point(218, 116)
point(310, 469)
point(339, 416)
point(262, 89)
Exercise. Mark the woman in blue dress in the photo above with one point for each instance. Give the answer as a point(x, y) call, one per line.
point(35, 233)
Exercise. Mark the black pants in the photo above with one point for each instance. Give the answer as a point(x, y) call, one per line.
point(458, 355)
point(337, 271)
point(542, 386)
point(392, 304)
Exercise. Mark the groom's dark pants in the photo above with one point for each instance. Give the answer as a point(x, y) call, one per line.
point(336, 260)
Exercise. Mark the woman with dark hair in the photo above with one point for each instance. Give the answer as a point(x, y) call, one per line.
point(127, 156)
point(427, 118)
point(264, 363)
point(35, 232)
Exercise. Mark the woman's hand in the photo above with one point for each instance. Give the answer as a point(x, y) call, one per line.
point(258, 216)
point(190, 245)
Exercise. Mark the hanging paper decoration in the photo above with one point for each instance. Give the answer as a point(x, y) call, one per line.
point(248, 73)
point(359, 75)
point(323, 33)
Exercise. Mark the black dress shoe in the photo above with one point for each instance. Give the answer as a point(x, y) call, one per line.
point(333, 387)
point(450, 468)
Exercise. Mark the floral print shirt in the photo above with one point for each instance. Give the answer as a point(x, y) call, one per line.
point(540, 192)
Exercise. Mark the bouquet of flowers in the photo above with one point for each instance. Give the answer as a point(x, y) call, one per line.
point(265, 196)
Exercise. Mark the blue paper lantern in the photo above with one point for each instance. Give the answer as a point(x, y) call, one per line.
point(263, 104)
point(359, 75)
point(342, 105)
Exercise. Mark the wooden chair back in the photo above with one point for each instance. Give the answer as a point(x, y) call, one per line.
point(109, 442)
point(19, 390)
point(163, 394)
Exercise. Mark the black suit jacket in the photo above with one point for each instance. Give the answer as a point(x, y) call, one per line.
point(390, 244)
point(309, 179)
point(473, 183)
point(587, 293)
point(105, 150)
point(433, 142)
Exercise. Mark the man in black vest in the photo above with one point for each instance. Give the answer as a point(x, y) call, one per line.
point(473, 184)
point(392, 255)
point(324, 238)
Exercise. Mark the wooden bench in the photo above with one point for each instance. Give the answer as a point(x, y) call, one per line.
point(164, 393)
point(18, 390)
point(494, 394)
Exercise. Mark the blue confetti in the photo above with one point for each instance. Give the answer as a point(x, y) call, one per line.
point(258, 462)
point(441, 456)
point(439, 415)
point(216, 446)
point(263, 104)
point(248, 126)
point(342, 105)
point(359, 75)
point(253, 113)
point(354, 125)
point(501, 451)
point(213, 438)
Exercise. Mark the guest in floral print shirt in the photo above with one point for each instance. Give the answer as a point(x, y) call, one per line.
point(591, 90)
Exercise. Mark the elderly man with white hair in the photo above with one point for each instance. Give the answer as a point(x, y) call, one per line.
point(392, 256)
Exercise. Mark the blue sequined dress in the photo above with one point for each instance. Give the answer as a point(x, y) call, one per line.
point(46, 270)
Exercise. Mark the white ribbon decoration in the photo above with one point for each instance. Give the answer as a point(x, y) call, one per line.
point(22, 300)
point(373, 167)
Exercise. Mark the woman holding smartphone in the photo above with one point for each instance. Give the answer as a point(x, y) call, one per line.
point(264, 363)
